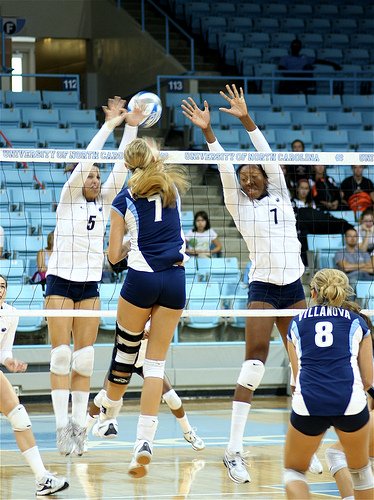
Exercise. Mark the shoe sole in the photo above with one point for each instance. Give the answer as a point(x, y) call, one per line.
point(52, 492)
point(143, 458)
point(138, 471)
point(231, 477)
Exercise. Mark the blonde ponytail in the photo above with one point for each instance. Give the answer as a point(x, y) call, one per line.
point(151, 176)
point(332, 287)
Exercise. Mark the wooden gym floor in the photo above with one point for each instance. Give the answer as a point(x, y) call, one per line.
point(177, 471)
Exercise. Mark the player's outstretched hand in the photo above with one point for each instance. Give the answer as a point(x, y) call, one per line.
point(198, 117)
point(236, 100)
point(115, 111)
point(137, 114)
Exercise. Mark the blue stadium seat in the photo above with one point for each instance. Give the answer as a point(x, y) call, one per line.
point(317, 25)
point(22, 137)
point(331, 54)
point(13, 270)
point(324, 247)
point(351, 11)
point(213, 98)
point(267, 24)
point(265, 70)
point(248, 9)
point(78, 118)
point(10, 118)
point(194, 11)
point(343, 25)
point(347, 121)
point(311, 40)
point(174, 100)
point(16, 223)
point(274, 9)
point(197, 138)
point(210, 26)
point(229, 139)
point(325, 102)
point(269, 136)
point(187, 218)
point(348, 215)
point(18, 177)
point(61, 99)
point(339, 173)
point(359, 40)
point(259, 102)
point(25, 99)
point(239, 303)
point(5, 201)
point(41, 117)
point(365, 289)
point(331, 140)
point(292, 102)
point(248, 54)
point(256, 39)
point(224, 8)
point(192, 274)
point(362, 140)
point(52, 177)
point(282, 39)
point(109, 293)
point(285, 137)
point(229, 121)
point(336, 41)
point(273, 55)
point(85, 135)
point(203, 296)
point(25, 199)
point(274, 120)
point(366, 25)
point(358, 56)
point(358, 102)
point(293, 25)
point(58, 137)
point(42, 222)
point(27, 297)
point(328, 10)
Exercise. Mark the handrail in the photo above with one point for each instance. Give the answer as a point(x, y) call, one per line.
point(46, 75)
point(168, 20)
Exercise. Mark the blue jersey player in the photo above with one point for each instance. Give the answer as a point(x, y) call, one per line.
point(155, 286)
point(331, 355)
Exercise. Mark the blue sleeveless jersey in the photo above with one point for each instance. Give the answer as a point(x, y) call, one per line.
point(156, 236)
point(327, 342)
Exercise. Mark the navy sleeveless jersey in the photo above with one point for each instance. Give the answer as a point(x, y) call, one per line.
point(327, 343)
point(156, 236)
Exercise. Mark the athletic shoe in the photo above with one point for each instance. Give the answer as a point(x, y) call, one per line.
point(315, 466)
point(65, 439)
point(106, 428)
point(79, 437)
point(236, 467)
point(50, 484)
point(141, 458)
point(195, 441)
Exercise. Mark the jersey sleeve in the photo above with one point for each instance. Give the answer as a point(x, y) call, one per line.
point(117, 176)
point(293, 332)
point(8, 340)
point(73, 187)
point(230, 184)
point(365, 328)
point(119, 204)
point(273, 170)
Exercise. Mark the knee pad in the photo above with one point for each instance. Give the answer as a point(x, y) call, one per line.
point(251, 374)
point(335, 460)
point(172, 399)
point(19, 419)
point(126, 348)
point(362, 479)
point(98, 399)
point(83, 361)
point(141, 354)
point(110, 408)
point(153, 368)
point(290, 475)
point(60, 360)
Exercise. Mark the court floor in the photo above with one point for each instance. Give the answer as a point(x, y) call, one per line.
point(177, 471)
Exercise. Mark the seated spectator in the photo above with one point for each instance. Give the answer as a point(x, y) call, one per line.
point(354, 262)
point(310, 220)
point(301, 67)
point(365, 231)
point(357, 191)
point(294, 173)
point(42, 258)
point(202, 240)
point(325, 191)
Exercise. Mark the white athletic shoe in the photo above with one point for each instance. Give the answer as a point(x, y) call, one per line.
point(106, 429)
point(65, 439)
point(79, 437)
point(195, 441)
point(50, 484)
point(315, 466)
point(141, 458)
point(236, 467)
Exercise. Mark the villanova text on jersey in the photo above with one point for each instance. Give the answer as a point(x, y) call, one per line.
point(327, 341)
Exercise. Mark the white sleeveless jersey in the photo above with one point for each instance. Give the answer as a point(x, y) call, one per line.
point(8, 327)
point(78, 250)
point(268, 225)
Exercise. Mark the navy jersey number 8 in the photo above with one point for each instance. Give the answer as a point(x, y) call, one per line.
point(323, 336)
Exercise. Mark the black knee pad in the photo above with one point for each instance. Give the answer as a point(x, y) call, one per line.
point(125, 352)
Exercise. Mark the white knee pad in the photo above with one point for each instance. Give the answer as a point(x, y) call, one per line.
point(83, 361)
point(290, 475)
point(153, 368)
point(335, 460)
point(251, 374)
point(19, 419)
point(172, 399)
point(98, 399)
point(60, 360)
point(141, 354)
point(362, 478)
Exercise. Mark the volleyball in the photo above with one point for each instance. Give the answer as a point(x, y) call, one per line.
point(152, 104)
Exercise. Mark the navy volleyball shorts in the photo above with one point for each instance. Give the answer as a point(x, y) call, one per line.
point(164, 288)
point(315, 425)
point(74, 290)
point(279, 296)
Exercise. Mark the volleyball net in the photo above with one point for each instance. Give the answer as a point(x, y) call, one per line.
point(31, 183)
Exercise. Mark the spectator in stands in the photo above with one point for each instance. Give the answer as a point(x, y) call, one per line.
point(202, 240)
point(42, 259)
point(299, 65)
point(353, 261)
point(296, 172)
point(325, 191)
point(366, 231)
point(2, 239)
point(357, 191)
point(310, 220)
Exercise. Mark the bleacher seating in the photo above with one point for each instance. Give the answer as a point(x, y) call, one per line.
point(25, 99)
point(41, 117)
point(27, 297)
point(61, 99)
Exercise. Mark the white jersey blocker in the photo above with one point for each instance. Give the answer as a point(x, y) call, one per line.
point(8, 327)
point(268, 225)
point(80, 225)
